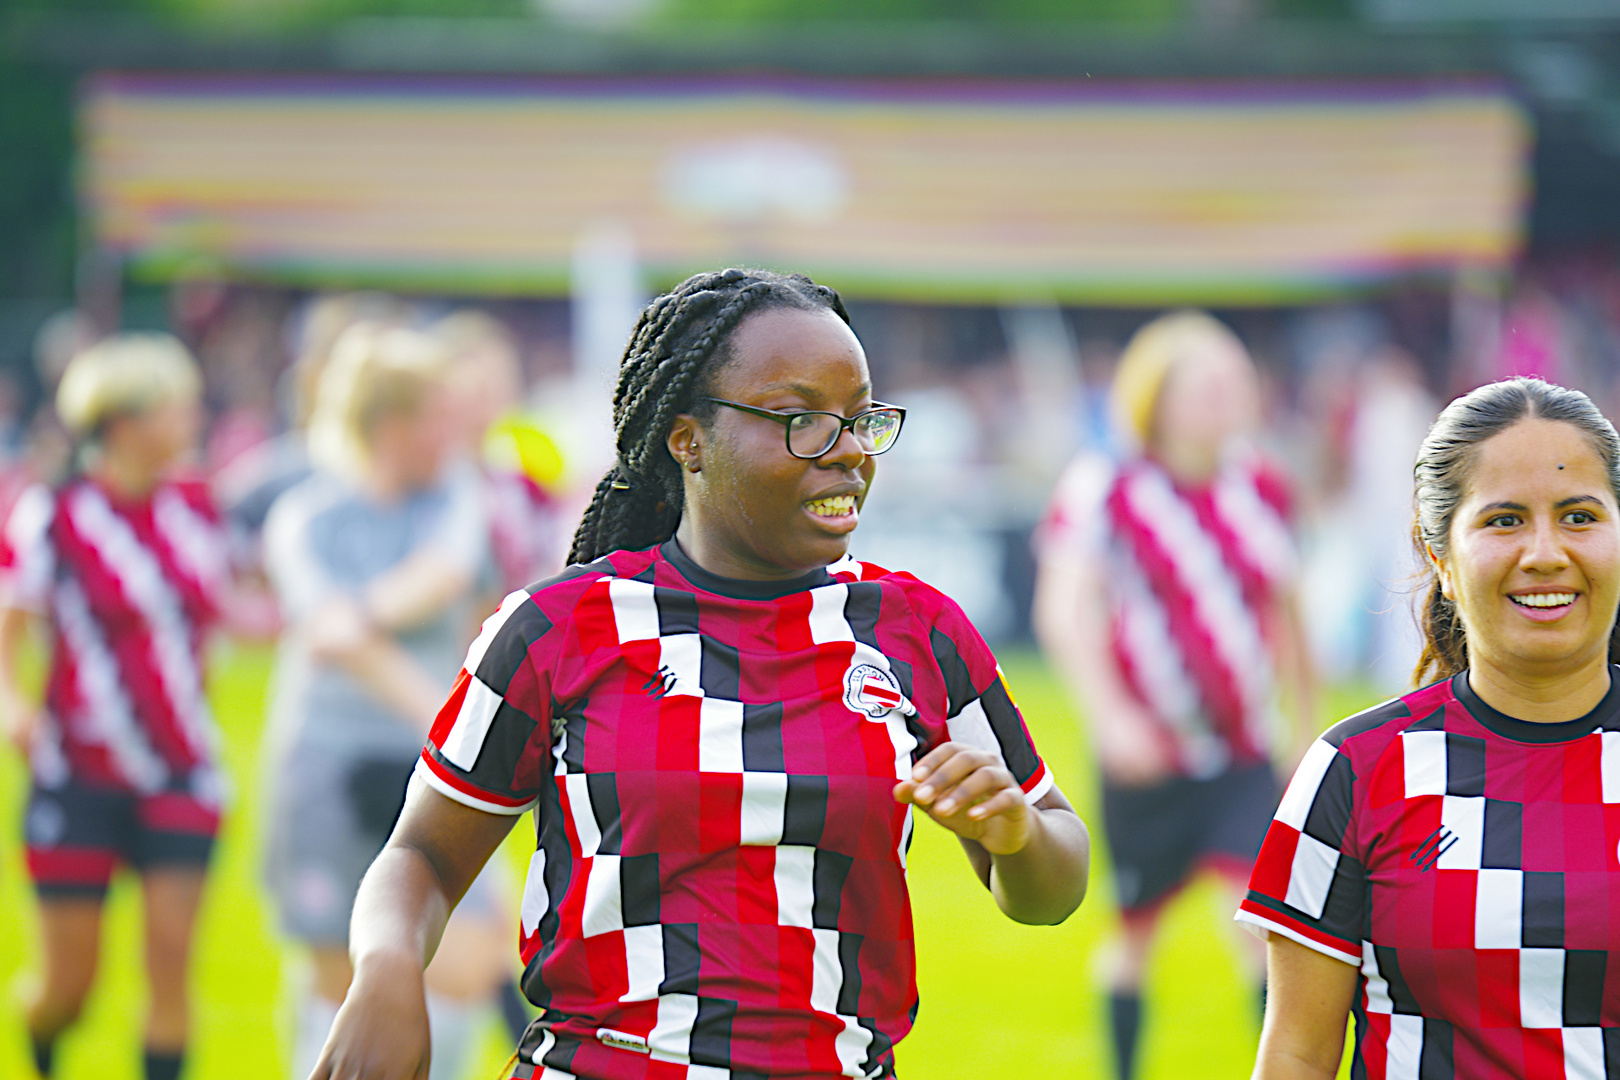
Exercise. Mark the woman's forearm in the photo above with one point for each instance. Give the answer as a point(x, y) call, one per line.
point(13, 628)
point(399, 912)
point(393, 677)
point(1044, 882)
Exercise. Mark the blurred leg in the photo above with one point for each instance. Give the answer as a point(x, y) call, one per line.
point(1134, 945)
point(473, 960)
point(70, 929)
point(332, 974)
point(170, 895)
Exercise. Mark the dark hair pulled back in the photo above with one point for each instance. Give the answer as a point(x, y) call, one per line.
point(679, 343)
point(1441, 475)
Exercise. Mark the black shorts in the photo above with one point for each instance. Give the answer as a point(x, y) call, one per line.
point(77, 835)
point(1159, 834)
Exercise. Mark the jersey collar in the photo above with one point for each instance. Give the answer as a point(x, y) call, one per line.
point(739, 588)
point(1603, 716)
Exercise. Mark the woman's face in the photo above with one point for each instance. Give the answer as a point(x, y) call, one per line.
point(1211, 396)
point(158, 436)
point(1534, 566)
point(411, 446)
point(753, 510)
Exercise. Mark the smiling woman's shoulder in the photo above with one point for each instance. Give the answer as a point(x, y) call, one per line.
point(929, 604)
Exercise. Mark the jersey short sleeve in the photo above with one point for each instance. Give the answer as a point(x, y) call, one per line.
point(1074, 520)
point(1308, 883)
point(490, 743)
point(300, 579)
point(979, 710)
point(27, 560)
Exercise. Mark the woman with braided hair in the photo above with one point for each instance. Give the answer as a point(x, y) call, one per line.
point(723, 724)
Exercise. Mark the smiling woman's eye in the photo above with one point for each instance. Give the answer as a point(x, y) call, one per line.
point(1581, 517)
point(1502, 521)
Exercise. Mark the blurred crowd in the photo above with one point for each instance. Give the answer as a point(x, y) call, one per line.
point(1000, 400)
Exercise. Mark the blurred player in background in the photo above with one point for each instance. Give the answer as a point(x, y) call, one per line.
point(486, 392)
point(376, 559)
point(128, 567)
point(1165, 599)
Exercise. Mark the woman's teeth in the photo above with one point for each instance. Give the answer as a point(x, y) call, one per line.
point(1545, 600)
point(835, 506)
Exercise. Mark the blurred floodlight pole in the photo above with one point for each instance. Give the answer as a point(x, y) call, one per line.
point(607, 297)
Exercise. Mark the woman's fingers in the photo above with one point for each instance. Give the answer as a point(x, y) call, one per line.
point(980, 784)
point(941, 770)
point(969, 792)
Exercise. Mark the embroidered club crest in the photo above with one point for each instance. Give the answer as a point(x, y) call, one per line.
point(875, 693)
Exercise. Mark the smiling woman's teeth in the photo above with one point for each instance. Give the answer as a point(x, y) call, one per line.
point(1544, 600)
point(836, 506)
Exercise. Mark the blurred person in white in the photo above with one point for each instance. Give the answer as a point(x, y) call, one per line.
point(486, 392)
point(1393, 412)
point(126, 565)
point(252, 481)
point(1164, 598)
point(375, 558)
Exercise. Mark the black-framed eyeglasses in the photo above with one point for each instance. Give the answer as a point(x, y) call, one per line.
point(812, 433)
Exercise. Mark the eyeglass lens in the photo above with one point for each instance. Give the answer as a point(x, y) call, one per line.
point(812, 434)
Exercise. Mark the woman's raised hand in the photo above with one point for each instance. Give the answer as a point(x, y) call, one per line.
point(972, 794)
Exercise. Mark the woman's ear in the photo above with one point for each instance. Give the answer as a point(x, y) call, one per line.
point(1441, 573)
point(685, 442)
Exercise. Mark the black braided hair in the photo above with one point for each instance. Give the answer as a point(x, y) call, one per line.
point(678, 344)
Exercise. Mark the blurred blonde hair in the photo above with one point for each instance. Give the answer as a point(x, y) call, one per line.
point(123, 374)
point(323, 322)
point(1151, 355)
point(374, 371)
point(469, 329)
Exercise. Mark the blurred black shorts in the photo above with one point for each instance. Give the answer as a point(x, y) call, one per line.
point(77, 835)
point(1160, 834)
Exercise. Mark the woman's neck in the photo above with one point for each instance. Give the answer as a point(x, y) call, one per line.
point(383, 482)
point(1188, 465)
point(1542, 699)
point(124, 475)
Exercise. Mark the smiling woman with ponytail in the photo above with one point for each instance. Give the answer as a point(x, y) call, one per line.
point(1444, 863)
point(723, 724)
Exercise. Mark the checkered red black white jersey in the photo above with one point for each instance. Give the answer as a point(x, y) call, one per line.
point(1466, 863)
point(1192, 577)
point(130, 587)
point(720, 876)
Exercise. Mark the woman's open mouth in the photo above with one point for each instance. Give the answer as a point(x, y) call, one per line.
point(834, 506)
point(1544, 606)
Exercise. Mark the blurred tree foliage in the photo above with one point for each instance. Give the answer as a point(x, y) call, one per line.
point(1153, 13)
point(36, 189)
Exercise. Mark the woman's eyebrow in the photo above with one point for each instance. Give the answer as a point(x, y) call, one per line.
point(1573, 500)
point(806, 391)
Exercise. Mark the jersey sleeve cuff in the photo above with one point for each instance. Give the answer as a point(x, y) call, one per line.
point(451, 787)
point(1036, 787)
point(1260, 921)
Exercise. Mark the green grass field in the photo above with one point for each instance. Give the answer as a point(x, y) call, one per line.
point(999, 1000)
